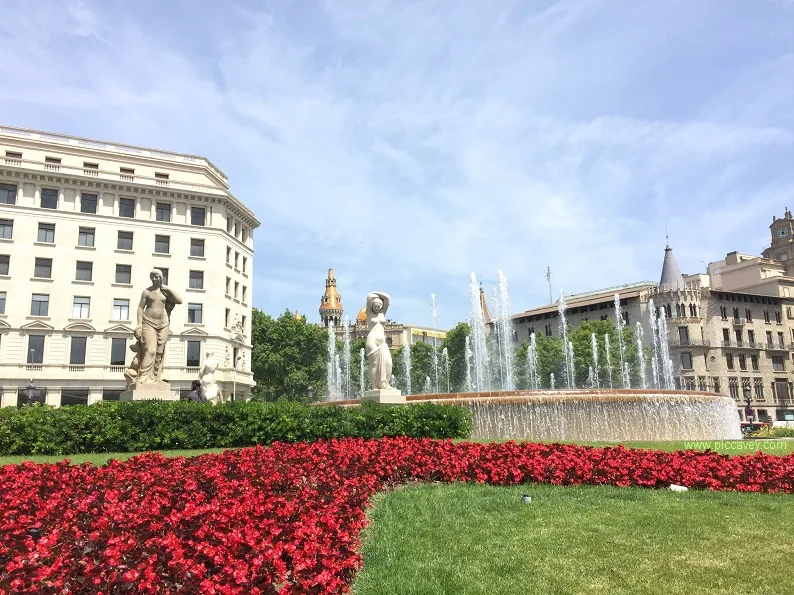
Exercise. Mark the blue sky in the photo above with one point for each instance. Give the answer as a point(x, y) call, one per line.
point(411, 143)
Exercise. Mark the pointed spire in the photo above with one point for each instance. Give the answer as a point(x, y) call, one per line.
point(486, 316)
point(331, 302)
point(671, 279)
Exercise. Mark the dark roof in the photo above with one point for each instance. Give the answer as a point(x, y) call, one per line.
point(672, 278)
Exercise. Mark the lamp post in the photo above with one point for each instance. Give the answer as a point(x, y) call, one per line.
point(748, 410)
point(234, 375)
point(31, 390)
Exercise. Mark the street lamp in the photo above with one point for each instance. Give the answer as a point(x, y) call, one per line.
point(30, 392)
point(311, 394)
point(748, 410)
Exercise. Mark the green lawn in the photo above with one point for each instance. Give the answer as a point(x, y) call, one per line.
point(730, 447)
point(466, 540)
point(98, 458)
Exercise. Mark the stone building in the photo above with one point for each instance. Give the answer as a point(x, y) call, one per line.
point(82, 223)
point(397, 334)
point(731, 329)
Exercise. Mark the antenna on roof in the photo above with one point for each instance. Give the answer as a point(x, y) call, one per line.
point(666, 236)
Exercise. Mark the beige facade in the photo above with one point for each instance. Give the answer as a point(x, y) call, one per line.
point(82, 223)
point(731, 329)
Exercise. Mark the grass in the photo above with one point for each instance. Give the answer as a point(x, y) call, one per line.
point(730, 447)
point(595, 540)
point(99, 458)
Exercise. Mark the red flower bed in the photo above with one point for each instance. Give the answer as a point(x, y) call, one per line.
point(284, 519)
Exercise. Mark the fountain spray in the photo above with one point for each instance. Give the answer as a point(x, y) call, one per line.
point(407, 368)
point(594, 345)
point(655, 369)
point(568, 364)
point(331, 375)
point(348, 390)
point(504, 324)
point(619, 323)
point(434, 355)
point(467, 353)
point(361, 377)
point(609, 358)
point(641, 355)
point(480, 365)
point(445, 365)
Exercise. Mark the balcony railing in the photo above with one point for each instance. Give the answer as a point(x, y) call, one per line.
point(690, 343)
point(739, 321)
point(743, 344)
point(779, 347)
point(99, 371)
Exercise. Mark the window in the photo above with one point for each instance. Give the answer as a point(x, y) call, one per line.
point(228, 254)
point(111, 395)
point(751, 337)
point(242, 322)
point(736, 313)
point(126, 171)
point(49, 198)
point(36, 349)
point(236, 289)
point(198, 215)
point(686, 361)
point(742, 362)
point(778, 317)
point(245, 291)
point(8, 194)
point(738, 334)
point(6, 229)
point(46, 233)
point(3, 303)
point(236, 259)
point(724, 312)
point(245, 265)
point(193, 354)
point(85, 237)
point(124, 241)
point(196, 247)
point(81, 307)
point(759, 389)
point(88, 203)
point(5, 264)
point(52, 160)
point(766, 315)
point(769, 338)
point(194, 313)
point(729, 361)
point(778, 364)
point(74, 396)
point(196, 280)
point(163, 212)
point(118, 351)
point(683, 335)
point(162, 244)
point(85, 271)
point(716, 385)
point(87, 165)
point(160, 176)
point(228, 285)
point(780, 340)
point(124, 274)
point(43, 268)
point(748, 314)
point(726, 335)
point(164, 271)
point(77, 352)
point(121, 309)
point(754, 362)
point(733, 387)
point(127, 207)
point(225, 320)
point(40, 304)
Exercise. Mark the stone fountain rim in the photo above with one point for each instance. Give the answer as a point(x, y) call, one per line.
point(545, 397)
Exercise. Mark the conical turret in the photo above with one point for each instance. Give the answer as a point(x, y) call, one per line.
point(486, 316)
point(331, 303)
point(671, 279)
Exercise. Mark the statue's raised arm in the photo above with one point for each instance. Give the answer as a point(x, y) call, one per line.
point(384, 300)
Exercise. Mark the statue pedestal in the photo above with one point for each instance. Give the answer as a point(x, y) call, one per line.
point(146, 392)
point(386, 396)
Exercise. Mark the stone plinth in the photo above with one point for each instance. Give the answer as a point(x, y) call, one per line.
point(145, 392)
point(386, 396)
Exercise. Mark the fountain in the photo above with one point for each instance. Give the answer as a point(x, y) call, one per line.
point(619, 324)
point(407, 368)
point(479, 347)
point(504, 333)
point(333, 374)
point(565, 413)
point(654, 346)
point(362, 386)
point(347, 389)
point(434, 354)
point(567, 354)
point(641, 355)
point(445, 365)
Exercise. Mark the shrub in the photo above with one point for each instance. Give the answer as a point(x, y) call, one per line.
point(139, 426)
point(770, 432)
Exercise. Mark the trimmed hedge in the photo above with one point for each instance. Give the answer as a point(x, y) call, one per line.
point(140, 426)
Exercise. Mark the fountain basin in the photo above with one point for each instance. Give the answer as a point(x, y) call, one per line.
point(593, 415)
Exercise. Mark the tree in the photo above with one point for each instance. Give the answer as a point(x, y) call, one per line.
point(421, 366)
point(288, 357)
point(455, 343)
point(583, 352)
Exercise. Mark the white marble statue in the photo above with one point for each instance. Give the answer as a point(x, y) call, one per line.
point(207, 378)
point(378, 354)
point(152, 332)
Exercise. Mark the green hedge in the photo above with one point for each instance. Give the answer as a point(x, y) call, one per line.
point(159, 425)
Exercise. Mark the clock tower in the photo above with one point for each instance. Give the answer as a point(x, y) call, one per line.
point(782, 246)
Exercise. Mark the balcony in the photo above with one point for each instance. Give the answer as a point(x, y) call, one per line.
point(739, 321)
point(779, 347)
point(685, 320)
point(690, 343)
point(743, 344)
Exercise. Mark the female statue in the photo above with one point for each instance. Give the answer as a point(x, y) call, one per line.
point(207, 378)
point(378, 354)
